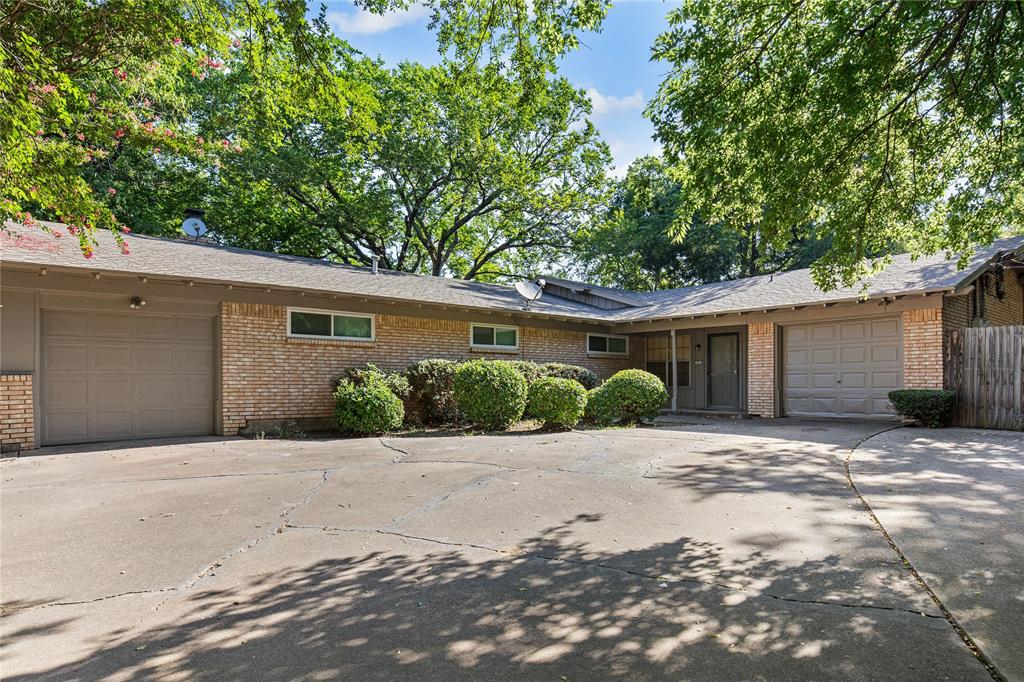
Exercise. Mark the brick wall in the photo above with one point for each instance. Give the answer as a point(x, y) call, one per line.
point(761, 369)
point(17, 423)
point(267, 375)
point(957, 310)
point(922, 348)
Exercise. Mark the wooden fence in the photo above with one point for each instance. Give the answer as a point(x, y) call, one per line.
point(984, 366)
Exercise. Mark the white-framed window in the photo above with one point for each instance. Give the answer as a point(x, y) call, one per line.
point(304, 323)
point(493, 336)
point(607, 344)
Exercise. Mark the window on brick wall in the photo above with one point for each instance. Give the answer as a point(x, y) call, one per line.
point(605, 344)
point(324, 324)
point(492, 336)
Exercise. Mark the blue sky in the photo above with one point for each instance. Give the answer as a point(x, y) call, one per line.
point(613, 66)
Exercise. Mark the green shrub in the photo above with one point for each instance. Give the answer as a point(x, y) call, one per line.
point(531, 371)
point(574, 372)
point(363, 376)
point(629, 396)
point(491, 393)
point(367, 409)
point(432, 388)
point(557, 402)
point(930, 407)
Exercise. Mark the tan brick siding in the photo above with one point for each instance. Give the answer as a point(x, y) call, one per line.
point(17, 422)
point(957, 310)
point(267, 375)
point(922, 348)
point(761, 369)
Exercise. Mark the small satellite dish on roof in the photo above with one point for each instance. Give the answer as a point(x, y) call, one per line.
point(193, 224)
point(531, 291)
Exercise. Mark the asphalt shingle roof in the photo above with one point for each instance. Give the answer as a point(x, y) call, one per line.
point(203, 261)
point(200, 261)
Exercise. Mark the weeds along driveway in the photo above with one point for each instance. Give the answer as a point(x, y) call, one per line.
point(722, 550)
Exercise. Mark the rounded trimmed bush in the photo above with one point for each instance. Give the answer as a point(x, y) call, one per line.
point(361, 376)
point(574, 372)
point(367, 409)
point(432, 389)
point(491, 393)
point(628, 396)
point(557, 402)
point(931, 407)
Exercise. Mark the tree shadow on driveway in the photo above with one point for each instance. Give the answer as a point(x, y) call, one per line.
point(401, 608)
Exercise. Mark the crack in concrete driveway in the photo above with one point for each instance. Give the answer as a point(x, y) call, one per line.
point(723, 550)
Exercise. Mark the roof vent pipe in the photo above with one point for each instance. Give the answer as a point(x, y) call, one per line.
point(373, 264)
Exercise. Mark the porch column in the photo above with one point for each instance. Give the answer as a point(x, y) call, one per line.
point(675, 370)
point(761, 363)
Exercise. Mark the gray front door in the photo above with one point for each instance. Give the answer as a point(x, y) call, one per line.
point(724, 371)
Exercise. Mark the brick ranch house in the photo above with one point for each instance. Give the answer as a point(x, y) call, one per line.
point(191, 338)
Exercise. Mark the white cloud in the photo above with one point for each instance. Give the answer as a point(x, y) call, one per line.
point(360, 21)
point(625, 152)
point(606, 104)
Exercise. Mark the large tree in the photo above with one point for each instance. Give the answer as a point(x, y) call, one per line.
point(462, 175)
point(632, 246)
point(80, 80)
point(872, 123)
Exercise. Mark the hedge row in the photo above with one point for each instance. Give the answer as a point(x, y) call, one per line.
point(491, 394)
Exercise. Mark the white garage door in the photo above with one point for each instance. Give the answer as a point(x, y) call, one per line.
point(111, 376)
point(841, 369)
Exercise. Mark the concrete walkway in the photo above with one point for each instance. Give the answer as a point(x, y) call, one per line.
point(720, 550)
point(953, 502)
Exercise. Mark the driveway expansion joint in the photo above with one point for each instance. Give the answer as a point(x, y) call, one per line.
point(965, 637)
point(8, 610)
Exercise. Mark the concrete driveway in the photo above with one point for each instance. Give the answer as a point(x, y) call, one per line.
point(719, 550)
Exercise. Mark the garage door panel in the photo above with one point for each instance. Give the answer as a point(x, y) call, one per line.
point(823, 332)
point(67, 392)
point(111, 424)
point(850, 355)
point(853, 331)
point(886, 352)
point(67, 427)
point(66, 324)
point(65, 356)
point(883, 328)
point(889, 381)
point(853, 380)
point(112, 391)
point(841, 369)
point(108, 358)
point(110, 376)
point(109, 325)
point(191, 329)
point(198, 360)
point(153, 358)
point(156, 328)
point(192, 391)
point(156, 391)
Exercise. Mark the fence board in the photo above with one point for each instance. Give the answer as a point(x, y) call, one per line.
point(985, 366)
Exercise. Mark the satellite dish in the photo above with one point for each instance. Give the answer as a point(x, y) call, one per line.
point(531, 291)
point(193, 224)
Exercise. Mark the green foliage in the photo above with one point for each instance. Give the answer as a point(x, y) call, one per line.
point(933, 408)
point(628, 396)
point(868, 124)
point(290, 139)
point(580, 374)
point(531, 371)
point(557, 402)
point(632, 247)
point(372, 374)
point(491, 393)
point(367, 409)
point(432, 389)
